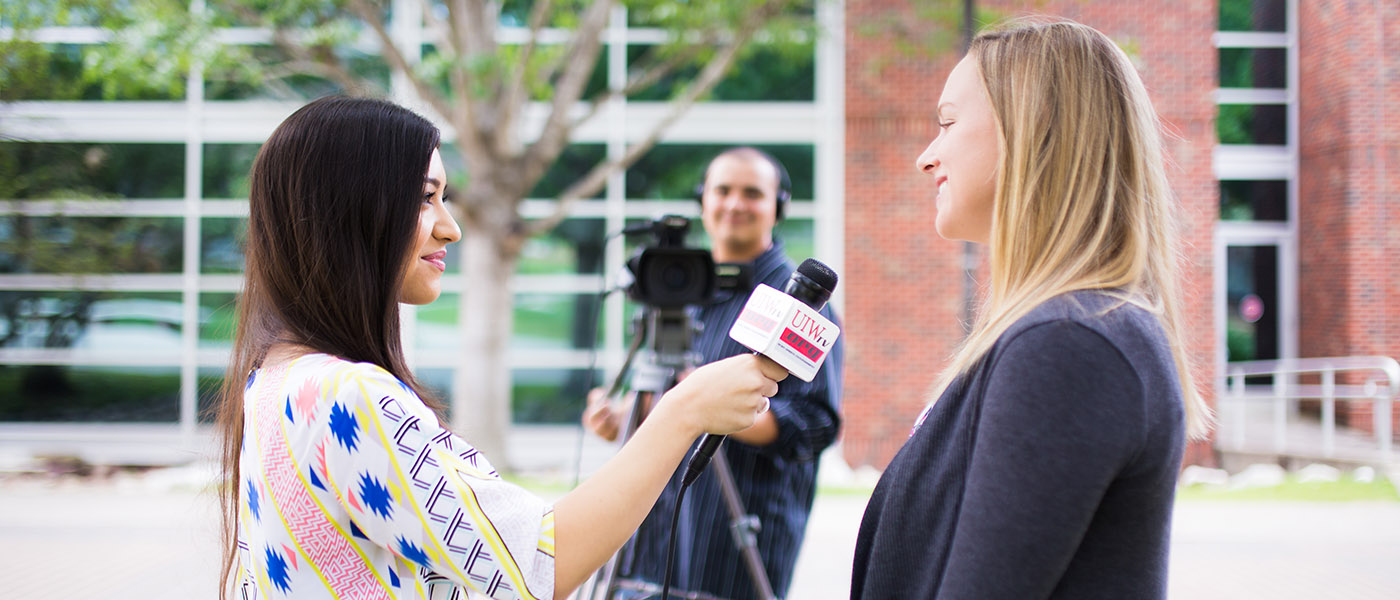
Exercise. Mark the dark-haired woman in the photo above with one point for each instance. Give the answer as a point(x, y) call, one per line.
point(343, 480)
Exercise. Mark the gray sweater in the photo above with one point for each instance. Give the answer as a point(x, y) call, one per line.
point(1047, 471)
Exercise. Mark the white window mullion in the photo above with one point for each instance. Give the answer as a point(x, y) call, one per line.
point(830, 154)
point(194, 169)
point(616, 191)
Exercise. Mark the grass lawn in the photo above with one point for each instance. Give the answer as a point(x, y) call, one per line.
point(1292, 490)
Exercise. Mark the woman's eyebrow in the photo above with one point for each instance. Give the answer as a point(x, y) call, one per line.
point(433, 180)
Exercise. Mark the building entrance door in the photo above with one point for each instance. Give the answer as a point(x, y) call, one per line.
point(1255, 293)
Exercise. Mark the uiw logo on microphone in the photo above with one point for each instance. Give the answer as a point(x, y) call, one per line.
point(784, 329)
point(807, 328)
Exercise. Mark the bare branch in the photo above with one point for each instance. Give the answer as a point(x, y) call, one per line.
point(436, 27)
point(331, 68)
point(648, 75)
point(709, 76)
point(581, 53)
point(396, 58)
point(474, 30)
point(514, 97)
point(303, 61)
point(473, 38)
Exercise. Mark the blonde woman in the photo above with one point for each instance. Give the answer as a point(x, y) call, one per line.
point(1047, 463)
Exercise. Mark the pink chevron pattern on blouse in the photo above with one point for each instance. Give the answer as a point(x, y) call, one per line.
point(330, 553)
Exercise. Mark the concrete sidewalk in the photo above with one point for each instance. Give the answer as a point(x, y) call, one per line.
point(152, 537)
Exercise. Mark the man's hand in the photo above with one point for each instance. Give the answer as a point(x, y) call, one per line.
point(599, 417)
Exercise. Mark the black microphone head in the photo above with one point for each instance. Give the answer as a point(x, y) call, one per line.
point(819, 273)
point(812, 283)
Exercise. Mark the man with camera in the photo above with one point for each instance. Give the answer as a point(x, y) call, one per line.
point(774, 463)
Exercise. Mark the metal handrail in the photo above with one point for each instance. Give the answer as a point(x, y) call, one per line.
point(1381, 385)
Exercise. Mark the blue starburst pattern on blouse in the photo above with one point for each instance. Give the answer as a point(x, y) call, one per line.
point(355, 531)
point(289, 410)
point(277, 570)
point(393, 577)
point(344, 426)
point(412, 552)
point(253, 501)
point(253, 374)
point(375, 496)
point(316, 481)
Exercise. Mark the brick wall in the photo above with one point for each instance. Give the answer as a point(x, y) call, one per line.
point(904, 284)
point(1349, 259)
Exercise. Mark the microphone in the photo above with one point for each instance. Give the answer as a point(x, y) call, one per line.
point(786, 327)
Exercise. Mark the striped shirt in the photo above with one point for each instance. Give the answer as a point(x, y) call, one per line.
point(776, 482)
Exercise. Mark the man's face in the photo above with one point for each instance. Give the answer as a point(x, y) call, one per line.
point(739, 207)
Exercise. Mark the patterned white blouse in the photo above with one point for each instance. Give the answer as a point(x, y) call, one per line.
point(351, 489)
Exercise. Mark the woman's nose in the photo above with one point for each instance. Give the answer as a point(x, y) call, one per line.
point(928, 160)
point(446, 228)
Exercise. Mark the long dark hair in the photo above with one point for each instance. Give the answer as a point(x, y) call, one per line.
point(333, 204)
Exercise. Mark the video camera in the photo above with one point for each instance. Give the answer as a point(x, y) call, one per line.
point(667, 274)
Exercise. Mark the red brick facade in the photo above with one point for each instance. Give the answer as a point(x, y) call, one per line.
point(1349, 197)
point(904, 284)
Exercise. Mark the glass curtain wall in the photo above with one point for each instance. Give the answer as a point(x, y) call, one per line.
point(121, 218)
point(1256, 163)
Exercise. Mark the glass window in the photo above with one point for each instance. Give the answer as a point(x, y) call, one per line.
point(31, 170)
point(551, 395)
point(439, 384)
point(1252, 310)
point(64, 244)
point(1253, 15)
point(575, 246)
point(45, 14)
point(218, 317)
point(1252, 124)
point(437, 325)
point(672, 171)
point(113, 322)
point(556, 321)
point(437, 70)
point(210, 379)
point(1253, 68)
point(117, 394)
point(33, 71)
point(221, 244)
point(542, 321)
point(266, 72)
point(799, 242)
point(516, 13)
point(574, 162)
point(765, 74)
point(1242, 200)
point(226, 168)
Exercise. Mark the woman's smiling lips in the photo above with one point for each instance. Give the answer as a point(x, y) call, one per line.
point(438, 259)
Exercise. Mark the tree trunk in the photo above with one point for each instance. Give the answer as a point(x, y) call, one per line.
point(481, 390)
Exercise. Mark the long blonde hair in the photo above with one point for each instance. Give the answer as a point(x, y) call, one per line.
point(1082, 200)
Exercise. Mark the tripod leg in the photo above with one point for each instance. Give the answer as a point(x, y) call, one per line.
point(743, 525)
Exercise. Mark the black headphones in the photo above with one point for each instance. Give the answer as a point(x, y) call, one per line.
point(784, 183)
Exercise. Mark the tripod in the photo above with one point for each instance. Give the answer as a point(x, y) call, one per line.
point(668, 335)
